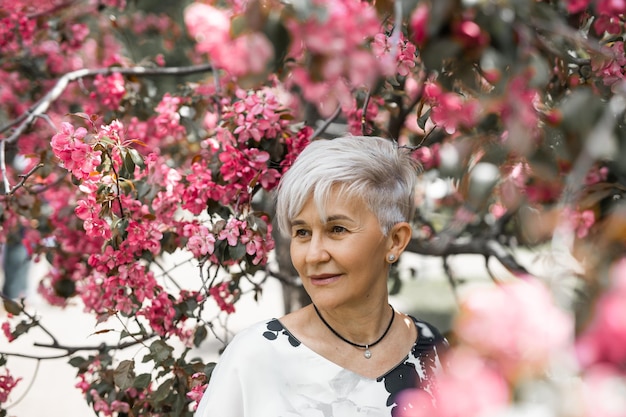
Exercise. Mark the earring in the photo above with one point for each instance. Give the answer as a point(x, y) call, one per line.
point(391, 257)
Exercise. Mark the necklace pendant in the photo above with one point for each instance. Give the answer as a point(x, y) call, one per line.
point(367, 353)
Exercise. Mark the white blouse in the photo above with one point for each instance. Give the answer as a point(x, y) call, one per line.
point(266, 372)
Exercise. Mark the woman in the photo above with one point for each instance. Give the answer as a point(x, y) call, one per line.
point(346, 203)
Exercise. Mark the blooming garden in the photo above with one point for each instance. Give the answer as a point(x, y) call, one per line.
point(131, 130)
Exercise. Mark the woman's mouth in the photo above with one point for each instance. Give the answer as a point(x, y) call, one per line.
point(324, 279)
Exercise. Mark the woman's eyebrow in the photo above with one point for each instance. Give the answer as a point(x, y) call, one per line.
point(338, 217)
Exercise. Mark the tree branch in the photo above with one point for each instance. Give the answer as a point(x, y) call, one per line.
point(70, 350)
point(42, 105)
point(477, 245)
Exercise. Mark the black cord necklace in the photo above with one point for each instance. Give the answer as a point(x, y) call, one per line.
point(367, 353)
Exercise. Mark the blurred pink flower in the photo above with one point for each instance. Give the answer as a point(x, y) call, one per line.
point(468, 387)
point(419, 24)
point(603, 392)
point(209, 26)
point(604, 340)
point(515, 324)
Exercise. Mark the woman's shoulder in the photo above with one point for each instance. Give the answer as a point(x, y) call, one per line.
point(270, 329)
point(428, 335)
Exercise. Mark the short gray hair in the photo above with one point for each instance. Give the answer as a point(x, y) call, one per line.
point(371, 168)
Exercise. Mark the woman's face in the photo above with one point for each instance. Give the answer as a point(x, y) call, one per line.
point(341, 262)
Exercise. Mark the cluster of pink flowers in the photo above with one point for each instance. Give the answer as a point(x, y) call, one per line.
point(604, 339)
point(428, 156)
point(257, 242)
point(124, 291)
point(224, 297)
point(470, 387)
point(603, 7)
point(497, 322)
point(197, 387)
point(403, 61)
point(166, 125)
point(77, 156)
point(247, 53)
point(16, 31)
point(110, 90)
point(337, 45)
point(418, 24)
point(612, 70)
point(7, 383)
point(519, 112)
point(256, 115)
point(6, 330)
point(160, 313)
point(296, 144)
point(450, 110)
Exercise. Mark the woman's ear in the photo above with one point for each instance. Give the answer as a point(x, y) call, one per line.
point(399, 237)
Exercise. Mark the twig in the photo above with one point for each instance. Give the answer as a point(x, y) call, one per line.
point(451, 279)
point(28, 388)
point(326, 123)
point(24, 177)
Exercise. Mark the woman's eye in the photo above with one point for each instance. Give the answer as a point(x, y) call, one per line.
point(338, 229)
point(300, 233)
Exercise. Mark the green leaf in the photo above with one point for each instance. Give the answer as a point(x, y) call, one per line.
point(236, 252)
point(136, 157)
point(160, 351)
point(423, 119)
point(128, 166)
point(199, 335)
point(163, 391)
point(78, 362)
point(124, 374)
point(142, 381)
point(11, 306)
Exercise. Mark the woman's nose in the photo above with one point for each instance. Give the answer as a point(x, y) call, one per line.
point(317, 250)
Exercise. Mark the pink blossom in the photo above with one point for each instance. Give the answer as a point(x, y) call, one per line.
point(110, 90)
point(209, 26)
point(604, 339)
point(77, 156)
point(576, 6)
point(250, 53)
point(596, 175)
point(610, 7)
point(160, 314)
point(608, 24)
point(6, 329)
point(143, 236)
point(451, 112)
point(231, 231)
point(223, 296)
point(198, 385)
point(497, 322)
point(468, 387)
point(202, 242)
point(428, 156)
point(7, 383)
point(419, 24)
point(470, 34)
point(166, 124)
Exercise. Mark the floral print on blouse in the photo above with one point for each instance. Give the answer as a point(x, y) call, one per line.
point(267, 372)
